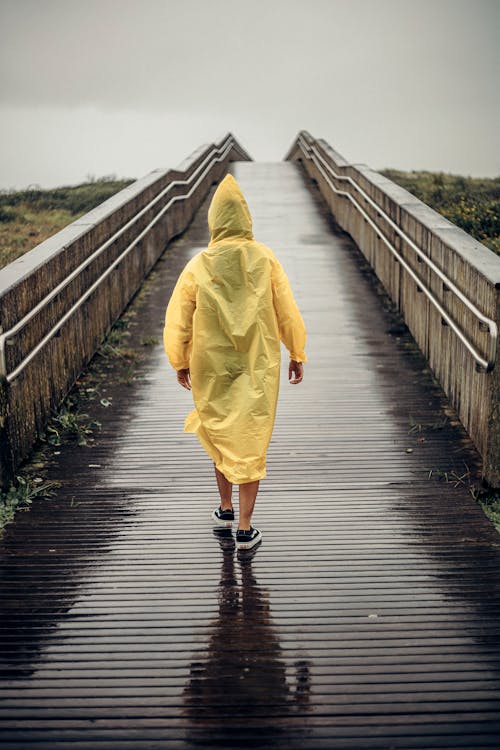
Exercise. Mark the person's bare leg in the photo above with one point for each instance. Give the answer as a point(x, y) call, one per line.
point(225, 490)
point(248, 494)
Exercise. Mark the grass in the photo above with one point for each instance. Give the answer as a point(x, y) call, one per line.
point(68, 422)
point(472, 203)
point(418, 427)
point(20, 495)
point(28, 217)
point(487, 497)
point(489, 501)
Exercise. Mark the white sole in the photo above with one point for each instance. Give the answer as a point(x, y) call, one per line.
point(221, 523)
point(249, 545)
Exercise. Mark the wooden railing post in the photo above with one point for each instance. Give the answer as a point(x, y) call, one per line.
point(492, 456)
point(5, 459)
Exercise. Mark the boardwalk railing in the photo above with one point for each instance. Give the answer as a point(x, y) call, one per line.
point(58, 301)
point(445, 283)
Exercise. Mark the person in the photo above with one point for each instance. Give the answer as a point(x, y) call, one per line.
point(231, 306)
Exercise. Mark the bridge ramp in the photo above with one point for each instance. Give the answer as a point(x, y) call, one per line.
point(368, 618)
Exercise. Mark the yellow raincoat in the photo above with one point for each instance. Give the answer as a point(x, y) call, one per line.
point(230, 307)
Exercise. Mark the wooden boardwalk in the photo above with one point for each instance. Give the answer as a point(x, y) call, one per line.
point(368, 618)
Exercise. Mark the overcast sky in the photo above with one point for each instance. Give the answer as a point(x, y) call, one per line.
point(99, 87)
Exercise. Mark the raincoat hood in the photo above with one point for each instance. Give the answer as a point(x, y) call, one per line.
point(229, 215)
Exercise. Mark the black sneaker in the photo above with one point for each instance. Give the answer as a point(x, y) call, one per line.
point(248, 539)
point(223, 517)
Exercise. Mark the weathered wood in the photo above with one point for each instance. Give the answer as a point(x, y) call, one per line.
point(25, 282)
point(472, 267)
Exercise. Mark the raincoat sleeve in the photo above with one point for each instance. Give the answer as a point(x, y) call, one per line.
point(290, 323)
point(178, 331)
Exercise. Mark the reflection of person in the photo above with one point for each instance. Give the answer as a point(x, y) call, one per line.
point(230, 307)
point(242, 689)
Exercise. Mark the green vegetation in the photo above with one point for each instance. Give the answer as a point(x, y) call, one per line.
point(150, 341)
point(20, 495)
point(490, 503)
point(70, 423)
point(472, 203)
point(488, 498)
point(28, 217)
point(67, 424)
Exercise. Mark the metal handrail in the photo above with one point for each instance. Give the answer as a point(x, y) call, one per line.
point(487, 324)
point(222, 150)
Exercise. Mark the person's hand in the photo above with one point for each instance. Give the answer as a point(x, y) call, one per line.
point(295, 370)
point(184, 379)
